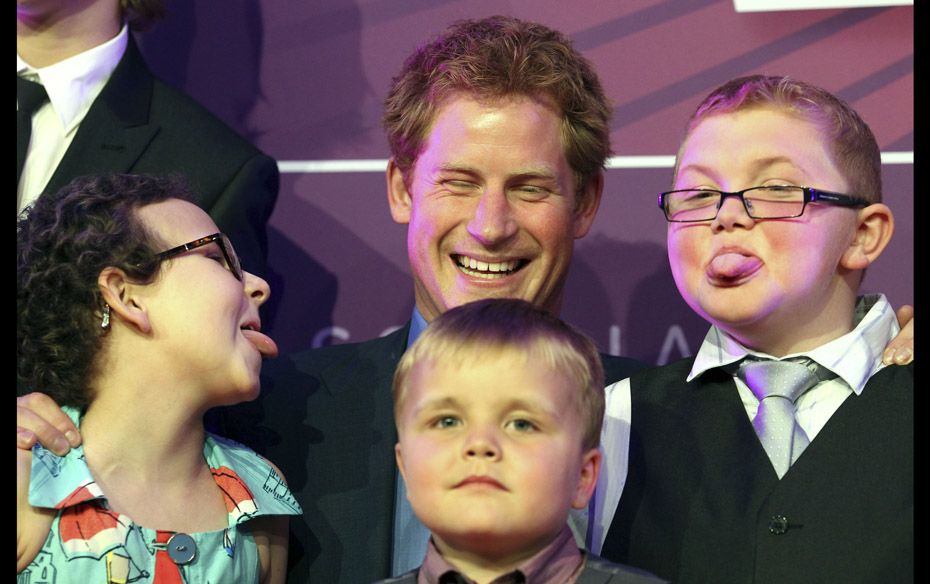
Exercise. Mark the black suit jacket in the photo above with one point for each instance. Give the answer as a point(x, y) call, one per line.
point(140, 125)
point(325, 417)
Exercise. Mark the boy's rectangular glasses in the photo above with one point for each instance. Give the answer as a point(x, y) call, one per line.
point(777, 202)
point(229, 254)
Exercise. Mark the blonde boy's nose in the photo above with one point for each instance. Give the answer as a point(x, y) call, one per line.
point(482, 445)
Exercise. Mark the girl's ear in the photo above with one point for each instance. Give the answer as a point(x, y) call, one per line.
point(121, 295)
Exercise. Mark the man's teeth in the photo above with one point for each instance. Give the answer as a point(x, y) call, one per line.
point(480, 267)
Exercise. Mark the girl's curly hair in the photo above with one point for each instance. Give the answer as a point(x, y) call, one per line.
point(63, 242)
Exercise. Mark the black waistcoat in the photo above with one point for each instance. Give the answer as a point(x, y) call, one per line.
point(703, 504)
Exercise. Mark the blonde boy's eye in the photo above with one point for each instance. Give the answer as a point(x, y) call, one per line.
point(522, 425)
point(446, 422)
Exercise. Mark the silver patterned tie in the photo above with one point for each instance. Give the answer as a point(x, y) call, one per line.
point(778, 385)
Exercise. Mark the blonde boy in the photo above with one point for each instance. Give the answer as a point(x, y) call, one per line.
point(774, 216)
point(498, 407)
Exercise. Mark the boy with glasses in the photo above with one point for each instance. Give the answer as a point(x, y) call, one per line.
point(783, 450)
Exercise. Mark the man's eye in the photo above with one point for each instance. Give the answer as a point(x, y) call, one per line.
point(531, 192)
point(459, 186)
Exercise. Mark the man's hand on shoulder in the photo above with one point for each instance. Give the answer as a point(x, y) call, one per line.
point(40, 419)
point(900, 351)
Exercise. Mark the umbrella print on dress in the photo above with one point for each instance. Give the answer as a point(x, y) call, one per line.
point(87, 529)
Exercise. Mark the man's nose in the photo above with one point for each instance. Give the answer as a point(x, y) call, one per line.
point(493, 220)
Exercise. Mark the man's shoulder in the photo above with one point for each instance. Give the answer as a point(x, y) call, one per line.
point(134, 92)
point(315, 387)
point(181, 115)
point(345, 359)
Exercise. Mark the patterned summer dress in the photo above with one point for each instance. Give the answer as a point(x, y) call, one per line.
point(89, 543)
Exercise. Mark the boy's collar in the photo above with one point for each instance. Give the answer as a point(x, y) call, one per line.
point(854, 357)
point(559, 561)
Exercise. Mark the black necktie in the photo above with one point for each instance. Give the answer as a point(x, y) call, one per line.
point(29, 97)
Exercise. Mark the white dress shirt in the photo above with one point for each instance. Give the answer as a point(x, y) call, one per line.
point(854, 357)
point(72, 86)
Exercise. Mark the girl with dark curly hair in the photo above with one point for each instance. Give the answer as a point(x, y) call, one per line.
point(134, 314)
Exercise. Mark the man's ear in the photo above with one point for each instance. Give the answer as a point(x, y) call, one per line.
point(122, 297)
point(397, 193)
point(587, 479)
point(873, 232)
point(589, 199)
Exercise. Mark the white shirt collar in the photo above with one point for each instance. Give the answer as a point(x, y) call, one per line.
point(73, 84)
point(854, 357)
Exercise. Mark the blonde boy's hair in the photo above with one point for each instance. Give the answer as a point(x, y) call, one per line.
point(487, 328)
point(850, 140)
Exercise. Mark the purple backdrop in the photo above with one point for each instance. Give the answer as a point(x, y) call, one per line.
point(305, 82)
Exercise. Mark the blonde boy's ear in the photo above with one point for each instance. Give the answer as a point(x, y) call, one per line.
point(873, 232)
point(399, 457)
point(589, 200)
point(397, 193)
point(587, 479)
point(120, 294)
